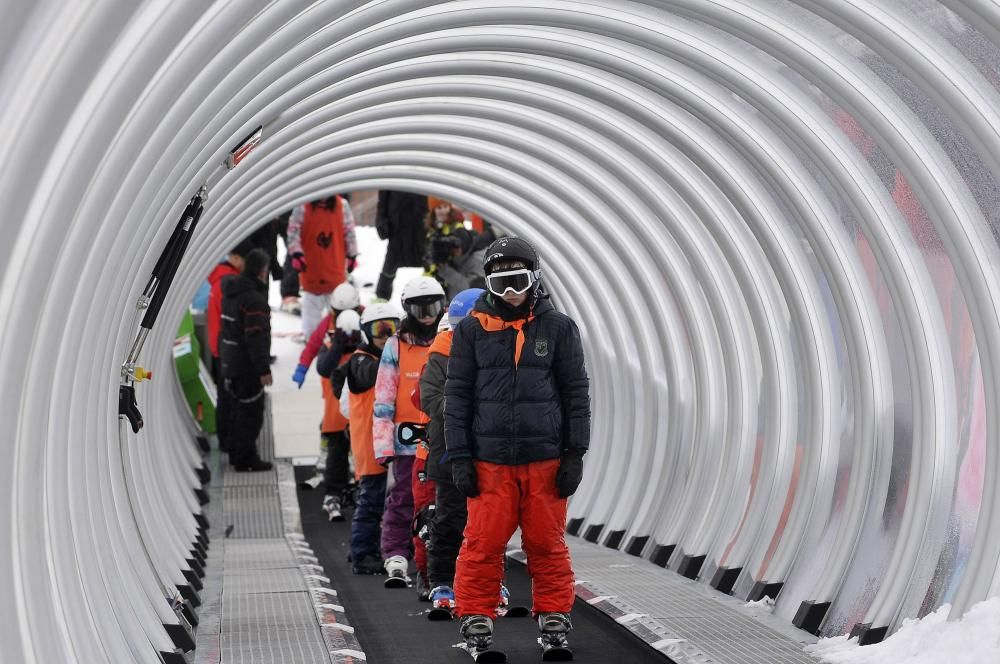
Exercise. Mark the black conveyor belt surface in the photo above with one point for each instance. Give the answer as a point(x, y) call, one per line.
point(393, 628)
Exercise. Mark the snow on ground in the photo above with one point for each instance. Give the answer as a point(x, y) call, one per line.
point(975, 639)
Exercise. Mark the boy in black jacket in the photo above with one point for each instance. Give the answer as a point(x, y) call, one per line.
point(245, 354)
point(517, 424)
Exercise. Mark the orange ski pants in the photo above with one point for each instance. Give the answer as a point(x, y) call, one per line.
point(512, 496)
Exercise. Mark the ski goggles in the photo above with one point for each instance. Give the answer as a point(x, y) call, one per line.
point(516, 281)
point(381, 329)
point(425, 310)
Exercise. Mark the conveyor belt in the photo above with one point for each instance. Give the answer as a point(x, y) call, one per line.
point(392, 627)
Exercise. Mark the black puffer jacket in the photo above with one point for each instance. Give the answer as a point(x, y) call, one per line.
point(245, 338)
point(502, 413)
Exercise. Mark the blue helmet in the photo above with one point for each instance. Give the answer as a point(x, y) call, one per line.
point(462, 305)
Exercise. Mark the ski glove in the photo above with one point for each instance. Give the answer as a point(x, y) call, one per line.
point(569, 475)
point(352, 263)
point(463, 472)
point(299, 261)
point(384, 461)
point(300, 374)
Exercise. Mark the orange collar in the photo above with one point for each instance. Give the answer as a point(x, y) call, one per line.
point(496, 324)
point(442, 343)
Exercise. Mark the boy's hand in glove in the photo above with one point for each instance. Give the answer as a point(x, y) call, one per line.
point(463, 472)
point(300, 374)
point(569, 475)
point(299, 261)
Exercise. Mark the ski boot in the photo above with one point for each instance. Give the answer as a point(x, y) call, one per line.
point(442, 603)
point(368, 565)
point(332, 508)
point(291, 305)
point(478, 634)
point(555, 647)
point(505, 610)
point(396, 567)
point(423, 587)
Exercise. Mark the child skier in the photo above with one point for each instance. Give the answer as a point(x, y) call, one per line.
point(402, 359)
point(340, 344)
point(358, 376)
point(517, 424)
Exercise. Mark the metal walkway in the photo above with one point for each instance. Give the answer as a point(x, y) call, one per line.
point(265, 601)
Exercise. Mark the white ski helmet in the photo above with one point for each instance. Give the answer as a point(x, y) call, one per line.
point(345, 296)
point(379, 311)
point(421, 287)
point(349, 321)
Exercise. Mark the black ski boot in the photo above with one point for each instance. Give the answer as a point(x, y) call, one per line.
point(478, 634)
point(555, 646)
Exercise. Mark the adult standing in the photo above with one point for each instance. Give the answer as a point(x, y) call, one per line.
point(400, 220)
point(244, 346)
point(323, 247)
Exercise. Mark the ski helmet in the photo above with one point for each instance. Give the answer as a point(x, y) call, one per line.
point(423, 297)
point(510, 249)
point(462, 304)
point(444, 325)
point(380, 320)
point(345, 296)
point(421, 287)
point(349, 321)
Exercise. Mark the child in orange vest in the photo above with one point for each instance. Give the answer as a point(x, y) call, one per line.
point(340, 344)
point(399, 370)
point(358, 375)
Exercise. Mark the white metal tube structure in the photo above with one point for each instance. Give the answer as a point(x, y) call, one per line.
point(775, 220)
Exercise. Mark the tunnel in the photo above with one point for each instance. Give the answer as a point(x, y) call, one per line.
point(775, 221)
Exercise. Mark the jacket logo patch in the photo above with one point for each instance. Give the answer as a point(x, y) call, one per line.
point(541, 347)
point(324, 239)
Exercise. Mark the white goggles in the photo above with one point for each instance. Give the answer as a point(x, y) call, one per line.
point(515, 281)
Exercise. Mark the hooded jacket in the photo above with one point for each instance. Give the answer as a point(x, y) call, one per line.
point(517, 388)
point(245, 340)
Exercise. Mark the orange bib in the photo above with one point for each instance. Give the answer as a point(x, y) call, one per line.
point(362, 407)
point(411, 361)
point(323, 246)
point(333, 421)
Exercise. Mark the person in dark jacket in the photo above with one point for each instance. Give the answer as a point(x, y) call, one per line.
point(245, 350)
point(449, 504)
point(400, 220)
point(517, 425)
point(232, 266)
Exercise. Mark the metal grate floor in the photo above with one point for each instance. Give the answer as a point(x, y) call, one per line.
point(685, 620)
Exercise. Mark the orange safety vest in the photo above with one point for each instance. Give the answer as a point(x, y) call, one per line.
point(362, 408)
point(412, 359)
point(333, 421)
point(323, 245)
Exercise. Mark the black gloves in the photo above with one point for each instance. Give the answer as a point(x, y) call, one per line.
point(569, 475)
point(463, 472)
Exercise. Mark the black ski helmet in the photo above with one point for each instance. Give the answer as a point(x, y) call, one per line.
point(509, 249)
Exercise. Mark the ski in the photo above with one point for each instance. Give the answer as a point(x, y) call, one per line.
point(485, 656)
point(438, 613)
point(395, 582)
point(555, 653)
